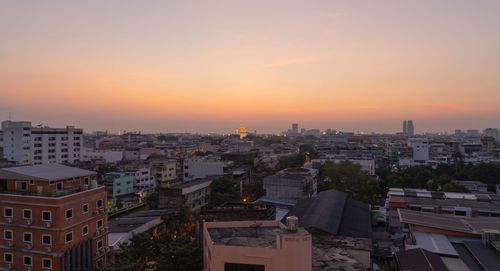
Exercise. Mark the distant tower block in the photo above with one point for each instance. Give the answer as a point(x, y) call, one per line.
point(405, 127)
point(295, 128)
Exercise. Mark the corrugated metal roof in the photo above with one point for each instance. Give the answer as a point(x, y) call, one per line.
point(420, 260)
point(434, 242)
point(51, 172)
point(487, 257)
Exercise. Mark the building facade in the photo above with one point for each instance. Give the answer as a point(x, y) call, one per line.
point(27, 145)
point(53, 217)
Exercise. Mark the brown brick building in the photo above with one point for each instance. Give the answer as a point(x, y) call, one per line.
point(52, 217)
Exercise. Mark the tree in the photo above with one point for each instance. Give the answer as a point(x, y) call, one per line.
point(291, 161)
point(223, 191)
point(455, 187)
point(350, 178)
point(181, 254)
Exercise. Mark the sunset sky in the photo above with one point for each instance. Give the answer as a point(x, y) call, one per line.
point(206, 66)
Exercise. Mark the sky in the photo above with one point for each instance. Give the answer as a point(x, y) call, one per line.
point(207, 66)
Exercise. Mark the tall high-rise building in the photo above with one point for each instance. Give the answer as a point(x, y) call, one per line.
point(53, 218)
point(295, 128)
point(411, 128)
point(405, 127)
point(27, 145)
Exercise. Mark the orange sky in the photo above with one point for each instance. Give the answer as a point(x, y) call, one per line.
point(208, 65)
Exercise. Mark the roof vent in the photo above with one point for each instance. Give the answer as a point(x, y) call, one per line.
point(291, 223)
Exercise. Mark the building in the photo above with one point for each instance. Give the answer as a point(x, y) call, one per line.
point(53, 218)
point(256, 245)
point(420, 148)
point(405, 127)
point(411, 128)
point(295, 128)
point(108, 156)
point(144, 181)
point(194, 195)
point(198, 168)
point(291, 184)
point(118, 185)
point(474, 186)
point(27, 145)
point(164, 171)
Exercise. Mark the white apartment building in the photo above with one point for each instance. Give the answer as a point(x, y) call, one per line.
point(420, 148)
point(164, 171)
point(197, 168)
point(110, 156)
point(27, 145)
point(143, 180)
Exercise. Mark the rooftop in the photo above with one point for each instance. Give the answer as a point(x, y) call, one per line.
point(49, 172)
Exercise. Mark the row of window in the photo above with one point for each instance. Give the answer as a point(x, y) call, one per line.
point(8, 257)
point(47, 215)
point(47, 238)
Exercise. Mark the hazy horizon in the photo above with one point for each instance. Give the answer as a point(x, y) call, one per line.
point(205, 67)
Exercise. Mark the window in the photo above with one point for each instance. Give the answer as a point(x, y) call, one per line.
point(46, 239)
point(69, 237)
point(46, 216)
point(46, 263)
point(86, 180)
point(27, 260)
point(7, 257)
point(99, 203)
point(99, 223)
point(69, 213)
point(99, 244)
point(27, 237)
point(59, 186)
point(243, 267)
point(85, 208)
point(7, 212)
point(24, 186)
point(7, 234)
point(85, 230)
point(26, 213)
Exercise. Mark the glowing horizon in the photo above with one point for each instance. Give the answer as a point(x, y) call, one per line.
point(206, 67)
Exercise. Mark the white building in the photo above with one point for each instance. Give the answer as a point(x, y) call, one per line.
point(110, 156)
point(27, 145)
point(420, 148)
point(197, 168)
point(143, 180)
point(164, 171)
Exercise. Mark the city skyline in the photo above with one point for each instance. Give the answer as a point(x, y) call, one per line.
point(206, 67)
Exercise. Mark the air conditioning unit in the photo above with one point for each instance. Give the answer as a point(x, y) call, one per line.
point(9, 266)
point(101, 211)
point(28, 269)
point(28, 221)
point(48, 224)
point(29, 246)
point(96, 212)
point(10, 244)
point(9, 219)
point(48, 249)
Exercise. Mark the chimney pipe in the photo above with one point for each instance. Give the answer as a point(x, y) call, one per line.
point(291, 223)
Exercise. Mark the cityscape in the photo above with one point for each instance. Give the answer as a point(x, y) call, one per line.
point(249, 136)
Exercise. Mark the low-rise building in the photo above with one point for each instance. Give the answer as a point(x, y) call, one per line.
point(53, 218)
point(194, 195)
point(118, 184)
point(291, 184)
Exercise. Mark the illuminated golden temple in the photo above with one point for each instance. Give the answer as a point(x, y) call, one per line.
point(241, 131)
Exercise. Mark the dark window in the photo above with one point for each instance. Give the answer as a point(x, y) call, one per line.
point(47, 239)
point(7, 235)
point(27, 214)
point(69, 237)
point(85, 230)
point(59, 186)
point(27, 237)
point(460, 213)
point(99, 203)
point(7, 212)
point(85, 208)
point(24, 186)
point(69, 213)
point(99, 244)
point(7, 257)
point(99, 224)
point(27, 260)
point(47, 263)
point(242, 267)
point(46, 215)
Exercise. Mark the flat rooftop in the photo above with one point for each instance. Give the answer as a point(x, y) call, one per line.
point(245, 237)
point(50, 172)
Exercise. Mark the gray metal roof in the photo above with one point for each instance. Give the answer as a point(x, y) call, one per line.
point(133, 221)
point(420, 260)
point(51, 172)
point(487, 257)
point(332, 212)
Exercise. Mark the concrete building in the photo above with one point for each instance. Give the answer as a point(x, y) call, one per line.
point(411, 128)
point(27, 145)
point(108, 156)
point(420, 148)
point(256, 245)
point(193, 194)
point(291, 184)
point(53, 218)
point(164, 171)
point(295, 128)
point(144, 181)
point(199, 168)
point(118, 184)
point(405, 127)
